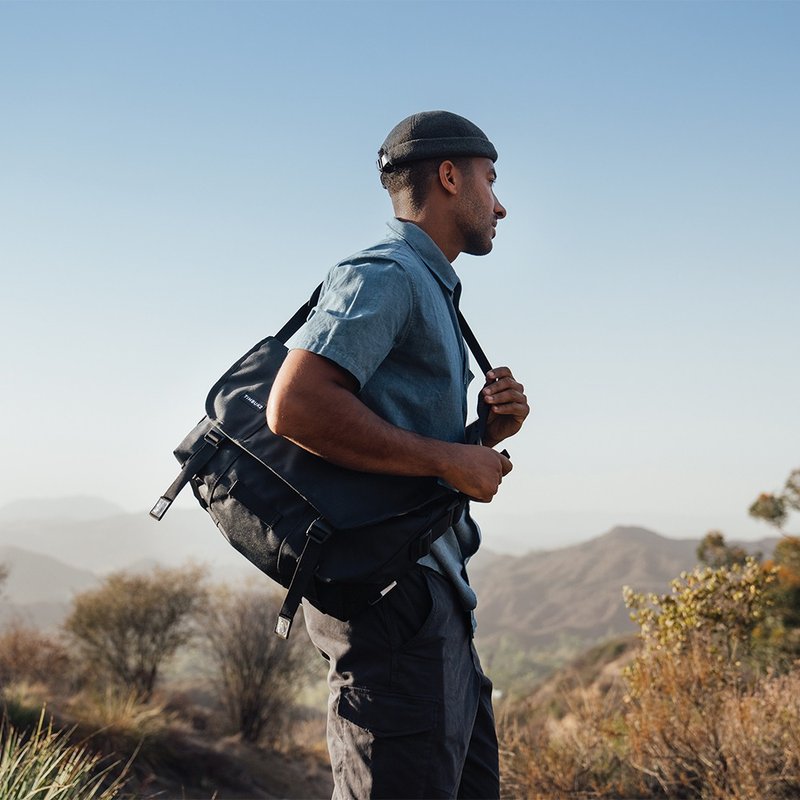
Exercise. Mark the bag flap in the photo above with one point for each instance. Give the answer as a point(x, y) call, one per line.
point(346, 498)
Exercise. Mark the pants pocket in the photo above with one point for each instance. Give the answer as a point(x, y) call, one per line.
point(408, 609)
point(381, 744)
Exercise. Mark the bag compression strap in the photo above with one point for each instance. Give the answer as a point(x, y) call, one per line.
point(196, 462)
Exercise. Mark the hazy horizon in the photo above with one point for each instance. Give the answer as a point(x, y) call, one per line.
point(506, 533)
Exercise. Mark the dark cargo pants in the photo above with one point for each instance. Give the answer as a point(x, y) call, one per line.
point(410, 713)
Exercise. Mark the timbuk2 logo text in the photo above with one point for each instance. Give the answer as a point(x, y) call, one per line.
point(252, 401)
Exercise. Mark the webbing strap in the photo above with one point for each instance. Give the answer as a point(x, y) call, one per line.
point(317, 534)
point(472, 343)
point(483, 363)
point(299, 317)
point(194, 463)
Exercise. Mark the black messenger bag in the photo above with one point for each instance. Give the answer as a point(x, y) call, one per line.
point(338, 537)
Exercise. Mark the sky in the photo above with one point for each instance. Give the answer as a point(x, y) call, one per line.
point(176, 177)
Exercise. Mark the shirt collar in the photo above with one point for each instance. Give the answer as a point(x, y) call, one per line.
point(427, 250)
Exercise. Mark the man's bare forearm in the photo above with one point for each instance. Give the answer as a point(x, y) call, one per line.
point(313, 404)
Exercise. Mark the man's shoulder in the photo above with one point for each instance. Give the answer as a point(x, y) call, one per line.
point(387, 251)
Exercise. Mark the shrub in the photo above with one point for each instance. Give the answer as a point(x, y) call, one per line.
point(703, 702)
point(131, 624)
point(258, 674)
point(568, 738)
point(584, 754)
point(31, 656)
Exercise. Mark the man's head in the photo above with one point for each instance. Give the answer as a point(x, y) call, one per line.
point(438, 168)
point(430, 135)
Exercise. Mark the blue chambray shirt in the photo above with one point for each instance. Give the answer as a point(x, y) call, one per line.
point(386, 315)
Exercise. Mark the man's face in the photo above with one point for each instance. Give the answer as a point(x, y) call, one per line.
point(478, 209)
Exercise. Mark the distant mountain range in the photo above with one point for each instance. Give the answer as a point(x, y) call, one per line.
point(576, 591)
point(55, 549)
point(101, 538)
point(39, 589)
point(80, 508)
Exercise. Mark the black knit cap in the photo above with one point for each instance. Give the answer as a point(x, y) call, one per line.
point(433, 134)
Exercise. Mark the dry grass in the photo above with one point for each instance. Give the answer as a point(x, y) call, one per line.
point(568, 740)
point(681, 737)
point(704, 711)
point(583, 755)
point(712, 739)
point(43, 764)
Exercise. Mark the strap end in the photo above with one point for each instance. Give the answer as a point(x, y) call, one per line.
point(160, 508)
point(283, 626)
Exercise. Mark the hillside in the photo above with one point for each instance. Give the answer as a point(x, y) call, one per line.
point(39, 588)
point(82, 534)
point(576, 592)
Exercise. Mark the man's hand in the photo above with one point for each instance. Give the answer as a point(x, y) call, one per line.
point(508, 405)
point(477, 471)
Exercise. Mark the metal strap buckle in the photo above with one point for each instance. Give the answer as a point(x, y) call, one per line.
point(214, 437)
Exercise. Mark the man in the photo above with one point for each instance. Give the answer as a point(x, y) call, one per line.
point(376, 381)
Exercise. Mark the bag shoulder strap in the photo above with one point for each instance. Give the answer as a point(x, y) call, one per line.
point(299, 317)
point(472, 343)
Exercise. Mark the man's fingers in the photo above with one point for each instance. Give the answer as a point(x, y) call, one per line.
point(507, 396)
point(511, 409)
point(498, 372)
point(501, 386)
point(505, 464)
point(509, 382)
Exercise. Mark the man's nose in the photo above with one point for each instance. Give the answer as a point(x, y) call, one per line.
point(499, 209)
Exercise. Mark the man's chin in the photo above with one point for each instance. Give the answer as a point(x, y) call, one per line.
point(482, 249)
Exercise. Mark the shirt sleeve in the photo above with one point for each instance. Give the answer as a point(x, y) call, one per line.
point(362, 314)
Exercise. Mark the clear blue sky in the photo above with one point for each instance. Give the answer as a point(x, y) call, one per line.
point(176, 177)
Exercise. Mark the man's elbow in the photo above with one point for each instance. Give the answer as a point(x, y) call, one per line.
point(278, 417)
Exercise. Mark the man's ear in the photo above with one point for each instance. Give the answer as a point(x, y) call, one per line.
point(449, 177)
